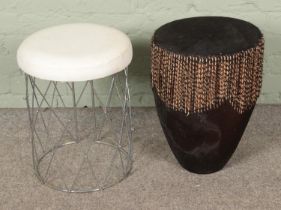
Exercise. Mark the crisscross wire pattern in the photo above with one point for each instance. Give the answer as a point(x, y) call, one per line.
point(77, 148)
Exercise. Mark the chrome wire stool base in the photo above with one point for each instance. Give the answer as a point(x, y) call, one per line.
point(78, 148)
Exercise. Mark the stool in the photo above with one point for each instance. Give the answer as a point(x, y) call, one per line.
point(206, 78)
point(80, 130)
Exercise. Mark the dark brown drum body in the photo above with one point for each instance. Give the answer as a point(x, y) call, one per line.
point(206, 78)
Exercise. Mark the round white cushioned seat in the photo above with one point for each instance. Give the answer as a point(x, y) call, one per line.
point(75, 52)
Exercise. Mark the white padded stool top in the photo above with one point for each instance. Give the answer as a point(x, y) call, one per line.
point(75, 52)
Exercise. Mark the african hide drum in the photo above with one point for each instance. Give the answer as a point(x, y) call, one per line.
point(206, 78)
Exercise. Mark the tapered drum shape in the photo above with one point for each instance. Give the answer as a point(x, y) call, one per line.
point(206, 78)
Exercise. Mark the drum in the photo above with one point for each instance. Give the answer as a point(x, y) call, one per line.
point(206, 78)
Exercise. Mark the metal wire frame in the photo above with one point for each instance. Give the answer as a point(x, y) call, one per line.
point(56, 125)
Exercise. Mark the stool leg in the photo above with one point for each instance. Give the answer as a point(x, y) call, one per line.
point(93, 102)
point(77, 136)
point(30, 120)
point(128, 101)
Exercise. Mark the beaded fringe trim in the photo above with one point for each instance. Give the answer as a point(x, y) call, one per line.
point(195, 84)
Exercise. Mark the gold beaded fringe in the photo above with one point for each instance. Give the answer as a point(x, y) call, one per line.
point(194, 84)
